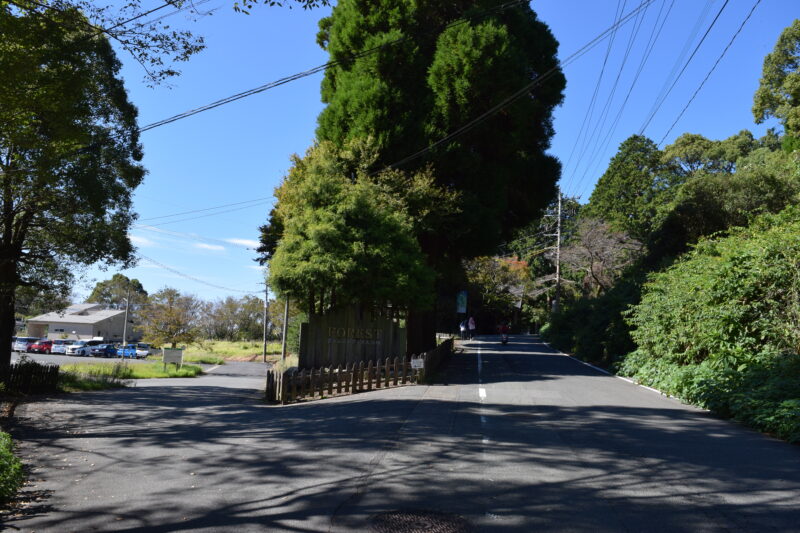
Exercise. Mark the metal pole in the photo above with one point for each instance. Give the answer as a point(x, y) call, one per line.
point(285, 329)
point(557, 299)
point(125, 325)
point(266, 303)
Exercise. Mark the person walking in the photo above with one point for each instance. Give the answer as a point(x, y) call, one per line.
point(463, 327)
point(471, 325)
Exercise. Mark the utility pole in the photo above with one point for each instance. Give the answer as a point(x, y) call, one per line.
point(557, 299)
point(285, 329)
point(125, 325)
point(266, 304)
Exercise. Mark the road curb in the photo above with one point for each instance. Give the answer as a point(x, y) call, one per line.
point(606, 372)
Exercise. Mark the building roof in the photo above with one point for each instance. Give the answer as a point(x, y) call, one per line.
point(78, 314)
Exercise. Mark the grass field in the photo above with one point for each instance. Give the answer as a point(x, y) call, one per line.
point(98, 376)
point(241, 350)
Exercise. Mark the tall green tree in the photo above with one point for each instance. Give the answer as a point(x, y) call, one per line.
point(113, 292)
point(628, 194)
point(778, 93)
point(344, 240)
point(415, 91)
point(427, 77)
point(69, 155)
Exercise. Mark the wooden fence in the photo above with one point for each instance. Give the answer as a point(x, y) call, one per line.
point(30, 378)
point(308, 384)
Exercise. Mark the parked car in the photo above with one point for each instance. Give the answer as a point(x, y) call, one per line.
point(60, 346)
point(129, 351)
point(41, 346)
point(103, 350)
point(80, 348)
point(23, 344)
point(142, 350)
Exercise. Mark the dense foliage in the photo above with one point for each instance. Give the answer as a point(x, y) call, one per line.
point(345, 238)
point(436, 76)
point(710, 310)
point(69, 154)
point(721, 327)
point(11, 474)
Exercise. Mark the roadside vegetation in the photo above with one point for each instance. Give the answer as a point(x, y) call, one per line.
point(683, 270)
point(98, 376)
point(11, 474)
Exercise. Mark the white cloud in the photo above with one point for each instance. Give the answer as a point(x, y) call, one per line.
point(204, 246)
point(141, 241)
point(244, 242)
point(256, 267)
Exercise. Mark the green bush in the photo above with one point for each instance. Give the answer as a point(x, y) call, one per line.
point(721, 327)
point(11, 475)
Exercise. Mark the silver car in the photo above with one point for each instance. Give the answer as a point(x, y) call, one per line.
point(23, 344)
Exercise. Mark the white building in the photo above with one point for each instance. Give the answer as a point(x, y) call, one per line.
point(81, 321)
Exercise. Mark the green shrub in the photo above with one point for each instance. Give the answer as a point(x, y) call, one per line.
point(721, 327)
point(11, 474)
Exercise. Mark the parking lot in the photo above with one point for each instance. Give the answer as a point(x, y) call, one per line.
point(58, 359)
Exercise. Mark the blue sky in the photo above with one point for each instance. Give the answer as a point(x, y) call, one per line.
point(235, 155)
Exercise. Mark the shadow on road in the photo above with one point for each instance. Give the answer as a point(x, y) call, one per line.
point(259, 468)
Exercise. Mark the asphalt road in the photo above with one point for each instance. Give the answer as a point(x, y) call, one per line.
point(514, 438)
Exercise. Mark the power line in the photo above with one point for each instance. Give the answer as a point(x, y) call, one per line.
point(211, 214)
point(190, 236)
point(523, 91)
point(317, 69)
point(713, 22)
point(741, 26)
point(654, 35)
point(594, 138)
point(206, 209)
point(193, 278)
point(586, 115)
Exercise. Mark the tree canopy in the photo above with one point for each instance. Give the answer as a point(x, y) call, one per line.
point(69, 154)
point(627, 195)
point(449, 63)
point(778, 93)
point(171, 318)
point(344, 241)
point(114, 291)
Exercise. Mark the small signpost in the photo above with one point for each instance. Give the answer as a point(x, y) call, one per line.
point(172, 355)
point(418, 363)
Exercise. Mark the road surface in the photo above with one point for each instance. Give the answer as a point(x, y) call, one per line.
point(514, 438)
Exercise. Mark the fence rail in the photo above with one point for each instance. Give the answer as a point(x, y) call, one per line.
point(308, 384)
point(30, 378)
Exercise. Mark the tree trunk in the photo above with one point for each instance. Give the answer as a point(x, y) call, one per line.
point(420, 331)
point(7, 303)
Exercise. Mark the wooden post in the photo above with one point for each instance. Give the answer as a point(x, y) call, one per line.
point(369, 375)
point(394, 371)
point(360, 376)
point(353, 377)
point(386, 371)
point(329, 372)
point(377, 373)
point(405, 370)
point(339, 379)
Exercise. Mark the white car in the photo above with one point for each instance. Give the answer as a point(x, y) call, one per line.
point(142, 350)
point(60, 346)
point(79, 348)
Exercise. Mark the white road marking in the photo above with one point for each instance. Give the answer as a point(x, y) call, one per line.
point(482, 393)
point(212, 369)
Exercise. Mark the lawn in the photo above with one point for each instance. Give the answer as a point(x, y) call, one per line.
point(97, 376)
